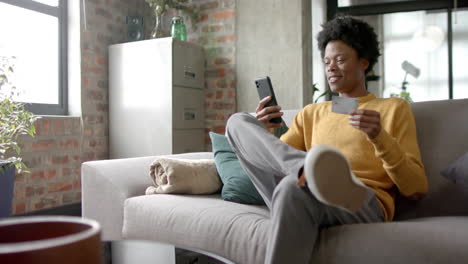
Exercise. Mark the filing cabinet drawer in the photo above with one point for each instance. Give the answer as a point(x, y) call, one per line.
point(188, 108)
point(188, 65)
point(188, 140)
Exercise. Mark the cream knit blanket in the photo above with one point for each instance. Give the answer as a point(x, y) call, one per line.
point(184, 176)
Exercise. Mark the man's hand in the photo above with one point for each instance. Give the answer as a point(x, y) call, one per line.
point(265, 114)
point(367, 121)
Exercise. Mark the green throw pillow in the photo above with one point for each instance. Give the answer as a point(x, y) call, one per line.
point(237, 186)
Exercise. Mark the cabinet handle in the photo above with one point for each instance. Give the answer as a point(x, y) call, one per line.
point(189, 75)
point(189, 114)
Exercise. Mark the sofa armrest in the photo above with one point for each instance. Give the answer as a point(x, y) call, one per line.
point(106, 184)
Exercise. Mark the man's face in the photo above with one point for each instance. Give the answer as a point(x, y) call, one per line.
point(344, 69)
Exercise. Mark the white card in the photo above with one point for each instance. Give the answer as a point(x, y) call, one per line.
point(343, 105)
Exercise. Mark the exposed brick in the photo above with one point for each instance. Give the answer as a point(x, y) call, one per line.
point(58, 127)
point(95, 70)
point(60, 186)
point(202, 41)
point(202, 18)
point(58, 160)
point(100, 131)
point(88, 132)
point(104, 39)
point(76, 127)
point(102, 84)
point(34, 191)
point(85, 81)
point(95, 95)
point(87, 156)
point(51, 174)
point(221, 83)
point(20, 208)
point(231, 71)
point(102, 107)
point(68, 127)
point(37, 175)
point(42, 127)
point(209, 5)
point(69, 144)
point(101, 60)
point(215, 73)
point(34, 162)
point(66, 172)
point(223, 105)
point(45, 202)
point(228, 3)
point(219, 129)
point(19, 192)
point(212, 52)
point(100, 119)
point(77, 184)
point(226, 14)
point(212, 28)
point(215, 116)
point(76, 158)
point(43, 145)
point(103, 12)
point(71, 197)
point(222, 60)
point(231, 94)
point(225, 38)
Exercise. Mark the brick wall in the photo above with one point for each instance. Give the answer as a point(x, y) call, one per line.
point(55, 155)
point(53, 158)
point(215, 31)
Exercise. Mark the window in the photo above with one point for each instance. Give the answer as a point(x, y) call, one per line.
point(429, 36)
point(417, 40)
point(34, 37)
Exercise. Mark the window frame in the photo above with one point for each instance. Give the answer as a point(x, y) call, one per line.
point(61, 12)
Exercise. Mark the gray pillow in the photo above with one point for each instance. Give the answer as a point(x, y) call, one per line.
point(458, 171)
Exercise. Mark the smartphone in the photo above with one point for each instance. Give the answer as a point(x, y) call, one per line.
point(264, 89)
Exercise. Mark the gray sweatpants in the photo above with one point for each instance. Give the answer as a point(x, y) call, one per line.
point(296, 215)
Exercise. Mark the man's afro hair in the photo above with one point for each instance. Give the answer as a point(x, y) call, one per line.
point(355, 33)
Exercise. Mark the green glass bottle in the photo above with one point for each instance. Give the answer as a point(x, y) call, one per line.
point(178, 30)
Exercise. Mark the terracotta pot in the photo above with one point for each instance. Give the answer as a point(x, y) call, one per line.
point(50, 239)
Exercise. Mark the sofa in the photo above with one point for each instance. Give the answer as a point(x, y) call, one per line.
point(432, 230)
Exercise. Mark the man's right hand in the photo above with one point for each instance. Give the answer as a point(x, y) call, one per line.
point(265, 114)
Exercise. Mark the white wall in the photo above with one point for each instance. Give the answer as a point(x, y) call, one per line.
point(274, 39)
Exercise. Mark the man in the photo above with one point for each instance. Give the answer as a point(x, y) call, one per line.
point(329, 168)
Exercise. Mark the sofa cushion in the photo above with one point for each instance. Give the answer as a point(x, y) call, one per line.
point(457, 172)
point(235, 231)
point(239, 232)
point(424, 240)
point(237, 186)
point(441, 132)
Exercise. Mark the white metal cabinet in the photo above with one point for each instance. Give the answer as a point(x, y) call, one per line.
point(156, 98)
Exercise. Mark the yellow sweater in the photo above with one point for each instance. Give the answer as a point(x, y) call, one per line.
point(390, 159)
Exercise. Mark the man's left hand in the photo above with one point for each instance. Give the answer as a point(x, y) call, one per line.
point(367, 121)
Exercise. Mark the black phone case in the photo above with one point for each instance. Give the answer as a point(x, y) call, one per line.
point(264, 89)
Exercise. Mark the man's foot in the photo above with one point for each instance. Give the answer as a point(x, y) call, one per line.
point(331, 181)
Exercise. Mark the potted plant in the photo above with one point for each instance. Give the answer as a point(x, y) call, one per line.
point(15, 121)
